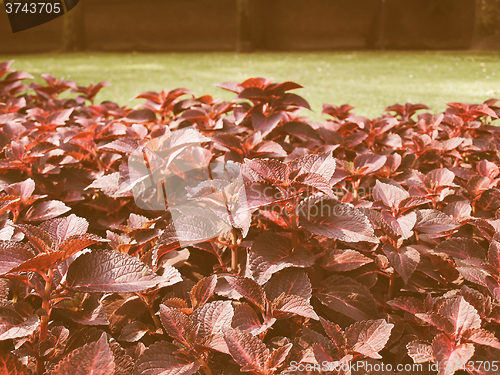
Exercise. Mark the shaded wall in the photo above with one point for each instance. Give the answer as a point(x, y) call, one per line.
point(200, 25)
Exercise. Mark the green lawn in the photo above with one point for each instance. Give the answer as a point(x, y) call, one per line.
point(370, 81)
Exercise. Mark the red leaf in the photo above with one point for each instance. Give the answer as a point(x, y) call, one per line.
point(337, 260)
point(409, 304)
point(437, 320)
point(433, 221)
point(405, 260)
point(109, 271)
point(213, 317)
point(461, 314)
point(40, 263)
point(322, 164)
point(62, 228)
point(482, 337)
point(163, 358)
point(9, 365)
point(246, 319)
point(450, 357)
point(369, 337)
point(461, 248)
point(336, 334)
point(74, 244)
point(246, 349)
point(439, 178)
point(290, 282)
point(488, 169)
point(278, 356)
point(271, 252)
point(250, 290)
point(269, 169)
point(95, 358)
point(265, 123)
point(348, 297)
point(494, 255)
point(12, 254)
point(133, 331)
point(16, 320)
point(203, 290)
point(401, 225)
point(177, 324)
point(45, 210)
point(59, 117)
point(38, 238)
point(334, 219)
point(368, 163)
point(420, 352)
point(295, 305)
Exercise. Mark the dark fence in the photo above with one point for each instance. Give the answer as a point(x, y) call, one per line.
point(222, 25)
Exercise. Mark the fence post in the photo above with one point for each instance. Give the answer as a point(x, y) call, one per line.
point(245, 35)
point(73, 30)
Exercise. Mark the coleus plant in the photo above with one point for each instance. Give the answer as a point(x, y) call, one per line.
point(344, 242)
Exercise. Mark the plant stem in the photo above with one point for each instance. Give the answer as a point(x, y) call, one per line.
point(206, 369)
point(44, 325)
point(293, 222)
point(355, 185)
point(390, 292)
point(146, 301)
point(234, 251)
point(46, 305)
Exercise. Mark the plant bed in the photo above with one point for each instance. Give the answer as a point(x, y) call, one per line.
point(188, 235)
